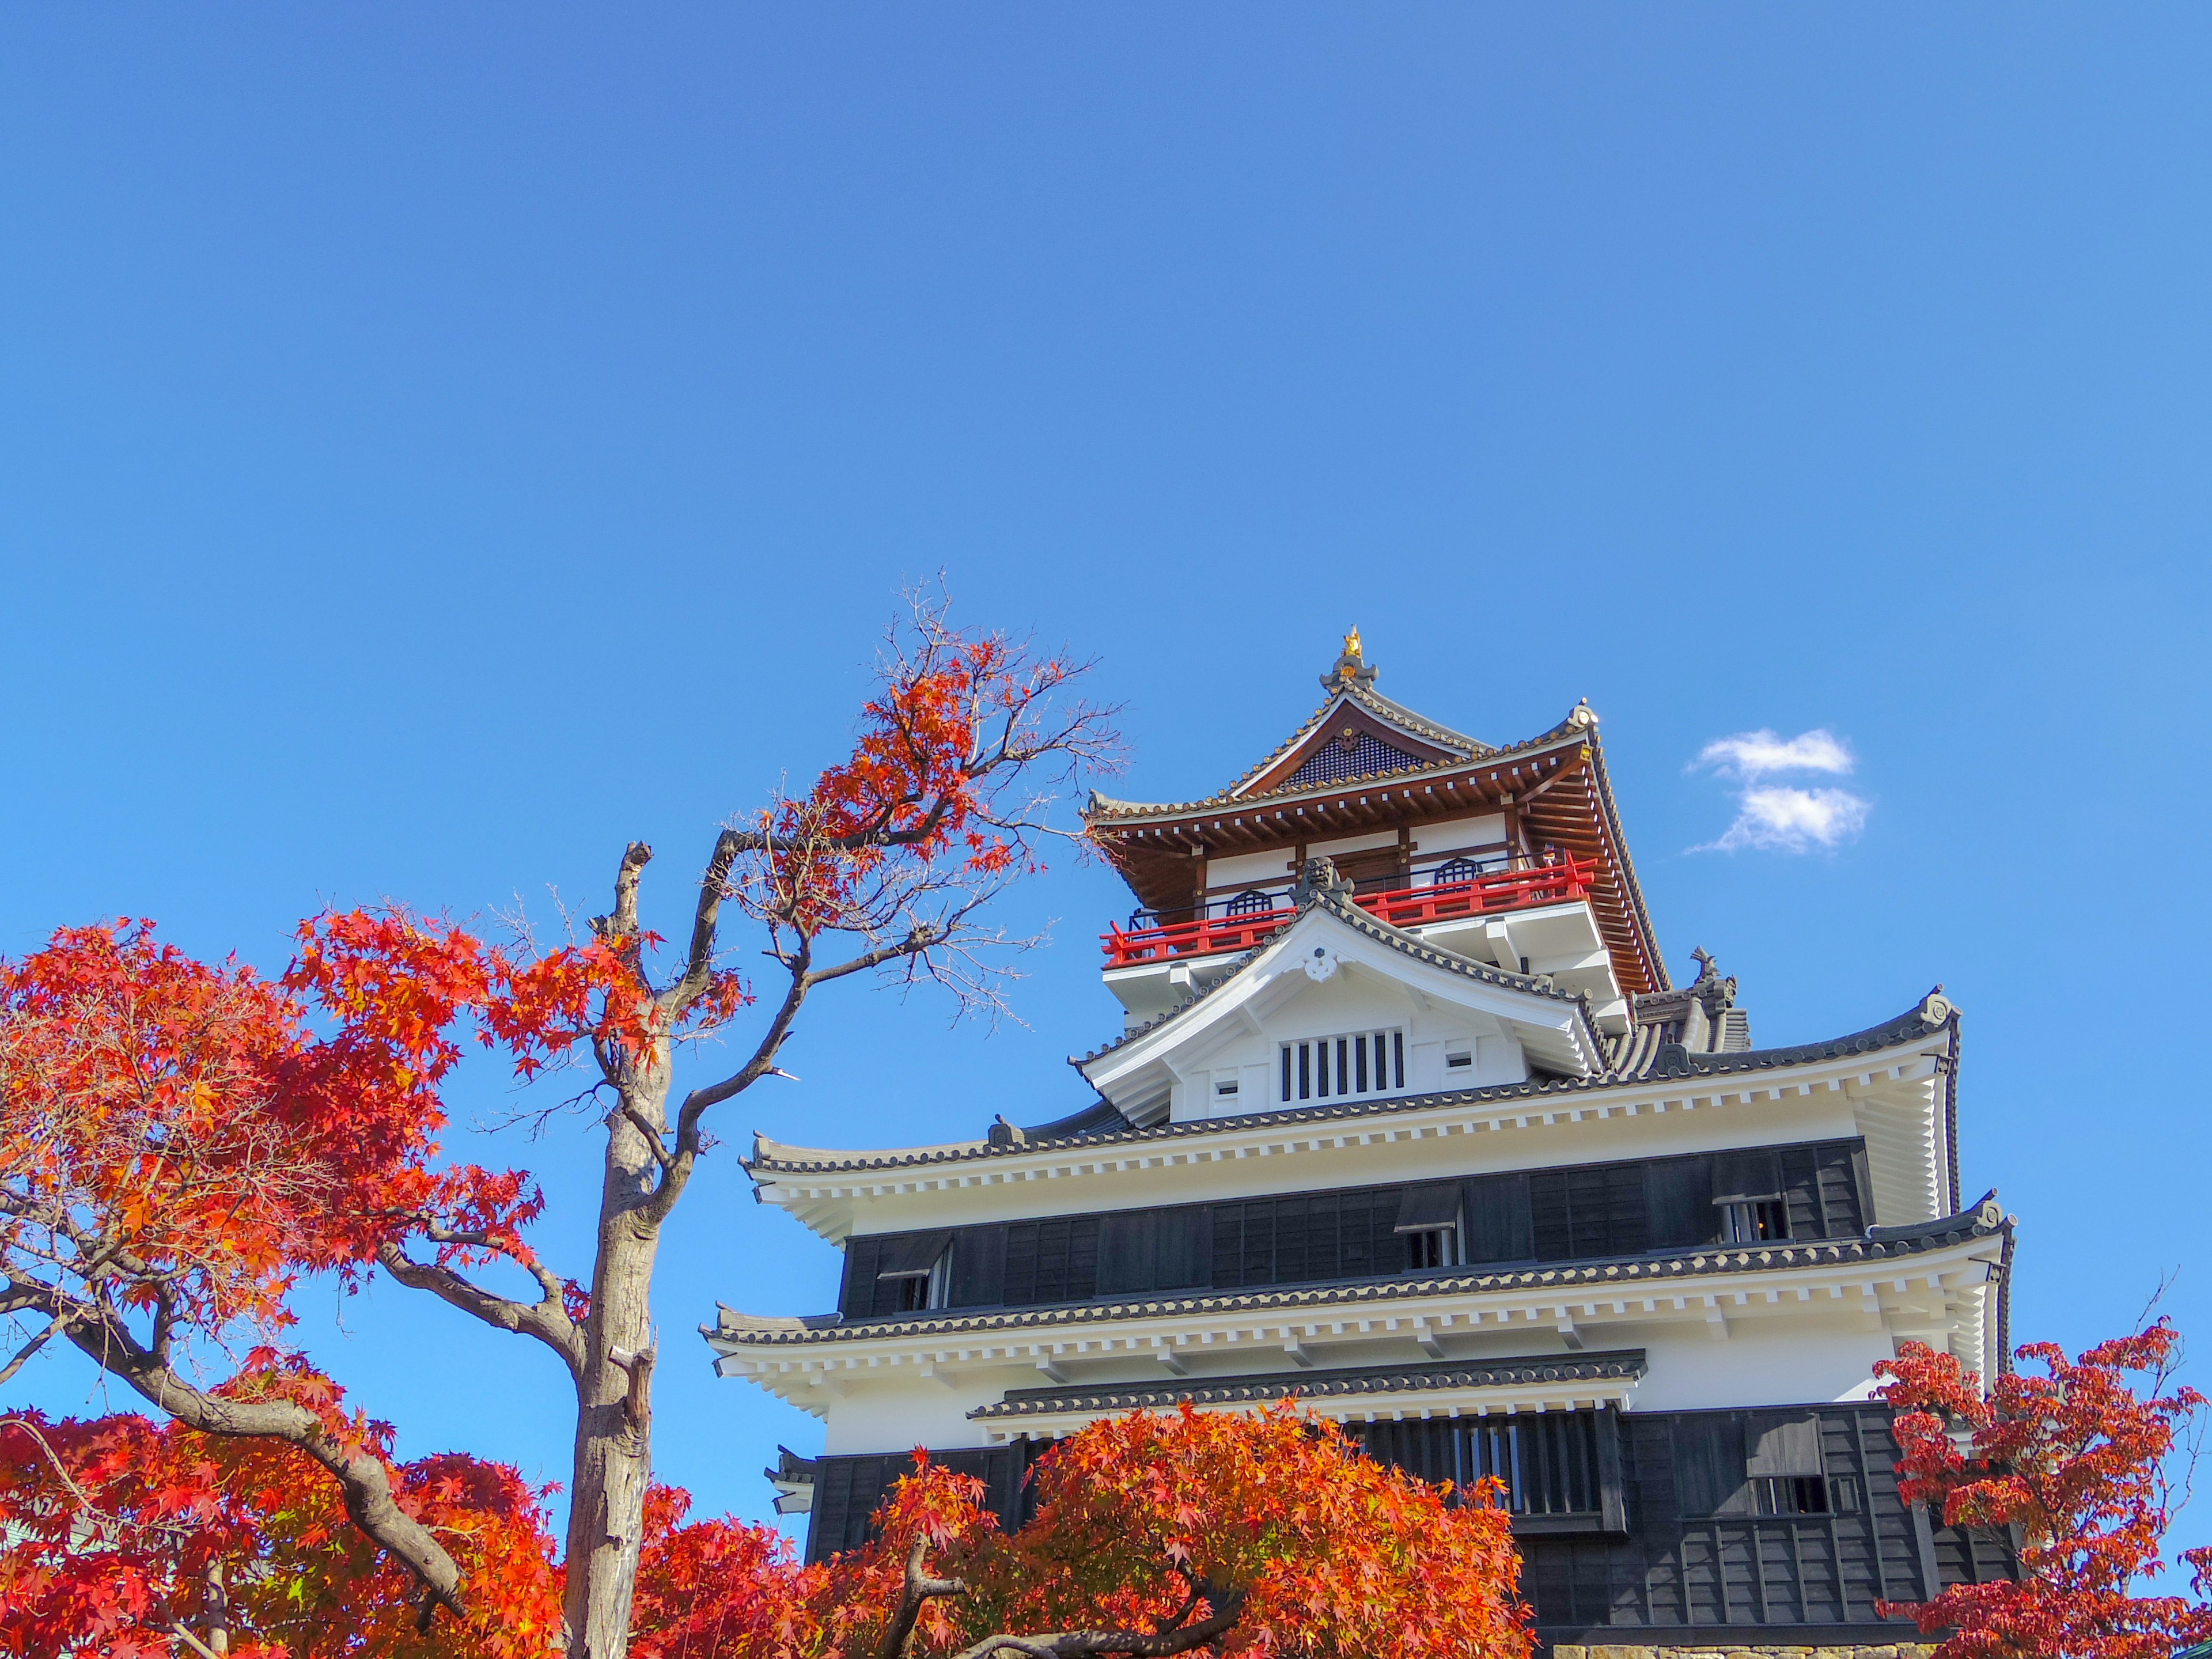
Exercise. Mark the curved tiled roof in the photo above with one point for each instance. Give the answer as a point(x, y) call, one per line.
point(1104, 809)
point(1982, 1222)
point(1625, 1362)
point(1396, 938)
point(1639, 1062)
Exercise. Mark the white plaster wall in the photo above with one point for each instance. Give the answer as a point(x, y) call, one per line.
point(1269, 869)
point(1764, 1362)
point(875, 1417)
point(1451, 834)
point(1798, 1357)
point(1350, 1000)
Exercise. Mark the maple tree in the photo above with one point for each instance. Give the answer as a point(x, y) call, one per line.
point(2080, 1459)
point(1155, 1534)
point(126, 1539)
point(183, 1141)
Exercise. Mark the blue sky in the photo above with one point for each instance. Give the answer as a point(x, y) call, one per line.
point(437, 447)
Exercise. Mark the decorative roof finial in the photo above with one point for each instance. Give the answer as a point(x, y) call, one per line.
point(1349, 669)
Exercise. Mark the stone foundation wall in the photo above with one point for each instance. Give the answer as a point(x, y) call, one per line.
point(1610, 1650)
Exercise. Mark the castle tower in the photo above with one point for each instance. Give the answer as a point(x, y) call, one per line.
point(1405, 1116)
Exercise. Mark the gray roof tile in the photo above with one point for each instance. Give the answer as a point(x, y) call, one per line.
point(1317, 1385)
point(1983, 1221)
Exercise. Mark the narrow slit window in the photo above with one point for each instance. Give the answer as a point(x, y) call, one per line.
point(1358, 1065)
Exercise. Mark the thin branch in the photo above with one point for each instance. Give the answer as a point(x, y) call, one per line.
point(546, 1320)
point(363, 1480)
point(58, 1324)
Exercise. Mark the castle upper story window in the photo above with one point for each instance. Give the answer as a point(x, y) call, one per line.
point(1250, 902)
point(917, 1268)
point(1360, 1063)
point(1429, 1220)
point(1748, 1192)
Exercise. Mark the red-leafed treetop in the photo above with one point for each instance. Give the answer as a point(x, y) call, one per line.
point(181, 1141)
point(2076, 1459)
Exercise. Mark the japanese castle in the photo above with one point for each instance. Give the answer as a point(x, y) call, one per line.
point(1404, 1114)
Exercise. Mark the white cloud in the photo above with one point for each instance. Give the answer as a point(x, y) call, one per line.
point(1778, 819)
point(1753, 755)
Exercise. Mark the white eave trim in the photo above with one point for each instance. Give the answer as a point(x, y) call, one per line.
point(822, 1199)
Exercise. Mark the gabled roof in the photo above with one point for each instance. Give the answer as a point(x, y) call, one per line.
point(1635, 1059)
point(1555, 1028)
point(1338, 905)
point(1361, 763)
point(1104, 811)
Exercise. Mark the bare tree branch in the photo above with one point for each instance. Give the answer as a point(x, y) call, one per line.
point(362, 1480)
point(547, 1320)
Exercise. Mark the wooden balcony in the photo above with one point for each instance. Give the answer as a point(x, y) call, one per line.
point(1409, 907)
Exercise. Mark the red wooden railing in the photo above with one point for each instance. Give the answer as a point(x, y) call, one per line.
point(1409, 907)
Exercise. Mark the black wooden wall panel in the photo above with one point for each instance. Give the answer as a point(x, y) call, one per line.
point(1668, 1569)
point(1498, 1226)
point(846, 1491)
point(1548, 1215)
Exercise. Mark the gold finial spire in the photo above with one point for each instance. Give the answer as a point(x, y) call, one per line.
point(1350, 669)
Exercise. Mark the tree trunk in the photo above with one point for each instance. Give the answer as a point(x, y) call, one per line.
point(613, 1445)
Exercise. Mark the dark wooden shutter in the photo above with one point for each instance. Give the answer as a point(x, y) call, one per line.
point(1679, 1191)
point(1786, 1444)
point(1365, 1246)
point(979, 1267)
point(1839, 1189)
point(1801, 1190)
point(1055, 1261)
point(1066, 1257)
point(1627, 1227)
point(863, 1255)
point(1128, 1252)
point(1498, 1219)
point(1228, 1246)
point(1293, 1225)
point(1550, 1216)
point(1708, 1464)
point(1186, 1249)
point(1746, 1177)
point(1863, 1180)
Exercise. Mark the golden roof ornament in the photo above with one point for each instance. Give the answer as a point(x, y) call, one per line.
point(1350, 669)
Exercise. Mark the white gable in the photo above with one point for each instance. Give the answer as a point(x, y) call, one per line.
point(1338, 1007)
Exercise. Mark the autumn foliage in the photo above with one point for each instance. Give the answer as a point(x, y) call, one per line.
point(1188, 1532)
point(2076, 1459)
point(120, 1534)
point(1194, 1532)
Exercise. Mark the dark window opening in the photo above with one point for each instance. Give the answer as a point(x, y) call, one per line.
point(1432, 1248)
point(1250, 902)
point(1754, 1221)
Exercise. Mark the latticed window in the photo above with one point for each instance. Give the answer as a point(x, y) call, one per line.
point(1251, 902)
point(1354, 754)
point(1331, 1068)
point(1457, 871)
point(1554, 1464)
